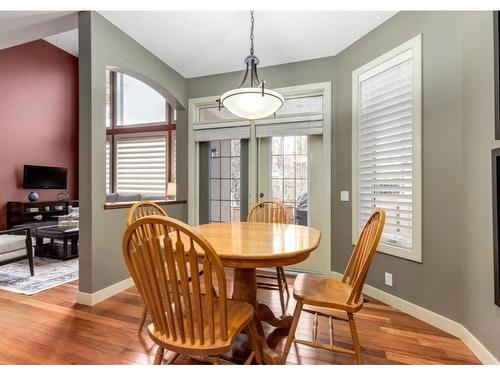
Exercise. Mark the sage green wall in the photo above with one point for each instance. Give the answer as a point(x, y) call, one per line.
point(434, 283)
point(103, 45)
point(456, 276)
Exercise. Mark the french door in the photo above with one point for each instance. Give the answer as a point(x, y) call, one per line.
point(289, 170)
point(235, 163)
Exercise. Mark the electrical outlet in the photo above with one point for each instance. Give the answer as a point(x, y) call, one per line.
point(388, 278)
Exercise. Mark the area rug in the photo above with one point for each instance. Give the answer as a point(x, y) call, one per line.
point(15, 277)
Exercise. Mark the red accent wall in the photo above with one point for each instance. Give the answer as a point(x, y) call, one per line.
point(38, 117)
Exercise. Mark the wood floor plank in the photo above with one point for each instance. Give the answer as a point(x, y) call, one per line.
point(50, 328)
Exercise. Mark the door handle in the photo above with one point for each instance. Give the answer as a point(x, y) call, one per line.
point(261, 195)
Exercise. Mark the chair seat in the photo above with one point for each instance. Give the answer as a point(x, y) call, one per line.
point(324, 292)
point(239, 314)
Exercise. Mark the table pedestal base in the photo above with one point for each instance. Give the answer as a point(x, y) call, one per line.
point(245, 289)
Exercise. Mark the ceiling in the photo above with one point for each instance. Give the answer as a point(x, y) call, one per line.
point(197, 43)
point(19, 27)
point(67, 41)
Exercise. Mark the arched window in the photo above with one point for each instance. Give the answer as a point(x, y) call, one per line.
point(140, 138)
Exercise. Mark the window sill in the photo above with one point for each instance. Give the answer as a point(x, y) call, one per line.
point(117, 205)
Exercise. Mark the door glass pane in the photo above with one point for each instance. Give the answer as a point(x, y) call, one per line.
point(290, 174)
point(224, 176)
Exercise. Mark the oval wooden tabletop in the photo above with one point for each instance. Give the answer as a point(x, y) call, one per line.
point(259, 245)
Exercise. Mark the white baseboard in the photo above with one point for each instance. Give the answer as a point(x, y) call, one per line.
point(90, 299)
point(432, 318)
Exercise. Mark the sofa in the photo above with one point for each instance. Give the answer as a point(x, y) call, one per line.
point(133, 197)
point(15, 245)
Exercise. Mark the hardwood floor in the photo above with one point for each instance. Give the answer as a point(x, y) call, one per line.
point(49, 328)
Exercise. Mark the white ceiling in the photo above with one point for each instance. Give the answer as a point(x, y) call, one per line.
point(197, 43)
point(19, 27)
point(67, 41)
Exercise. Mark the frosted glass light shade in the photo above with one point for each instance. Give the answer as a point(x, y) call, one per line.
point(249, 102)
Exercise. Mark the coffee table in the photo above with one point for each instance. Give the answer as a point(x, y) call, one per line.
point(53, 249)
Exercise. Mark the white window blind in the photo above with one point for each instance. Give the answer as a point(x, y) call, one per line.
point(141, 164)
point(385, 156)
point(385, 150)
point(108, 166)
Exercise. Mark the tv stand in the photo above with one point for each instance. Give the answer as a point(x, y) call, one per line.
point(25, 212)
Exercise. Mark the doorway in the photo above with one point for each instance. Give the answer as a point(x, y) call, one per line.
point(286, 157)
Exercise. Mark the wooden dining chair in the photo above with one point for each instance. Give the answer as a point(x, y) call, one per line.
point(184, 320)
point(272, 212)
point(137, 211)
point(144, 208)
point(321, 296)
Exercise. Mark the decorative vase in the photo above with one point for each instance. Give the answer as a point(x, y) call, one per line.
point(33, 197)
point(63, 197)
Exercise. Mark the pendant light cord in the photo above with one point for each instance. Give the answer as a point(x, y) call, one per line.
point(251, 32)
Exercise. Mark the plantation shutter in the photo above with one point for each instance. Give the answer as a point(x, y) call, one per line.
point(141, 164)
point(384, 159)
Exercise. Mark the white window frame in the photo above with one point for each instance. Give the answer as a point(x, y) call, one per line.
point(377, 65)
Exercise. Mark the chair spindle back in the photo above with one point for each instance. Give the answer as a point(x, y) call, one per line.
point(167, 276)
point(143, 209)
point(269, 212)
point(357, 268)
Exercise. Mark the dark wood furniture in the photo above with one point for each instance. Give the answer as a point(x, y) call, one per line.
point(19, 212)
point(29, 248)
point(53, 249)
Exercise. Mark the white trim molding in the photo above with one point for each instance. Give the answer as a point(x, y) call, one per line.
point(372, 68)
point(450, 326)
point(91, 299)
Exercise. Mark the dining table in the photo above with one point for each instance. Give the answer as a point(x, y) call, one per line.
point(247, 246)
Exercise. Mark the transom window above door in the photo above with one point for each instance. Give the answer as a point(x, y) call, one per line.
point(140, 139)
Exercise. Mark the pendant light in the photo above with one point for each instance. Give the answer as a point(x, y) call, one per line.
point(256, 101)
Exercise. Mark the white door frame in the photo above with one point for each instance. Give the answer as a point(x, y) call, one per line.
point(322, 88)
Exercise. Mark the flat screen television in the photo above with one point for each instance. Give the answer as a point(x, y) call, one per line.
point(42, 177)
